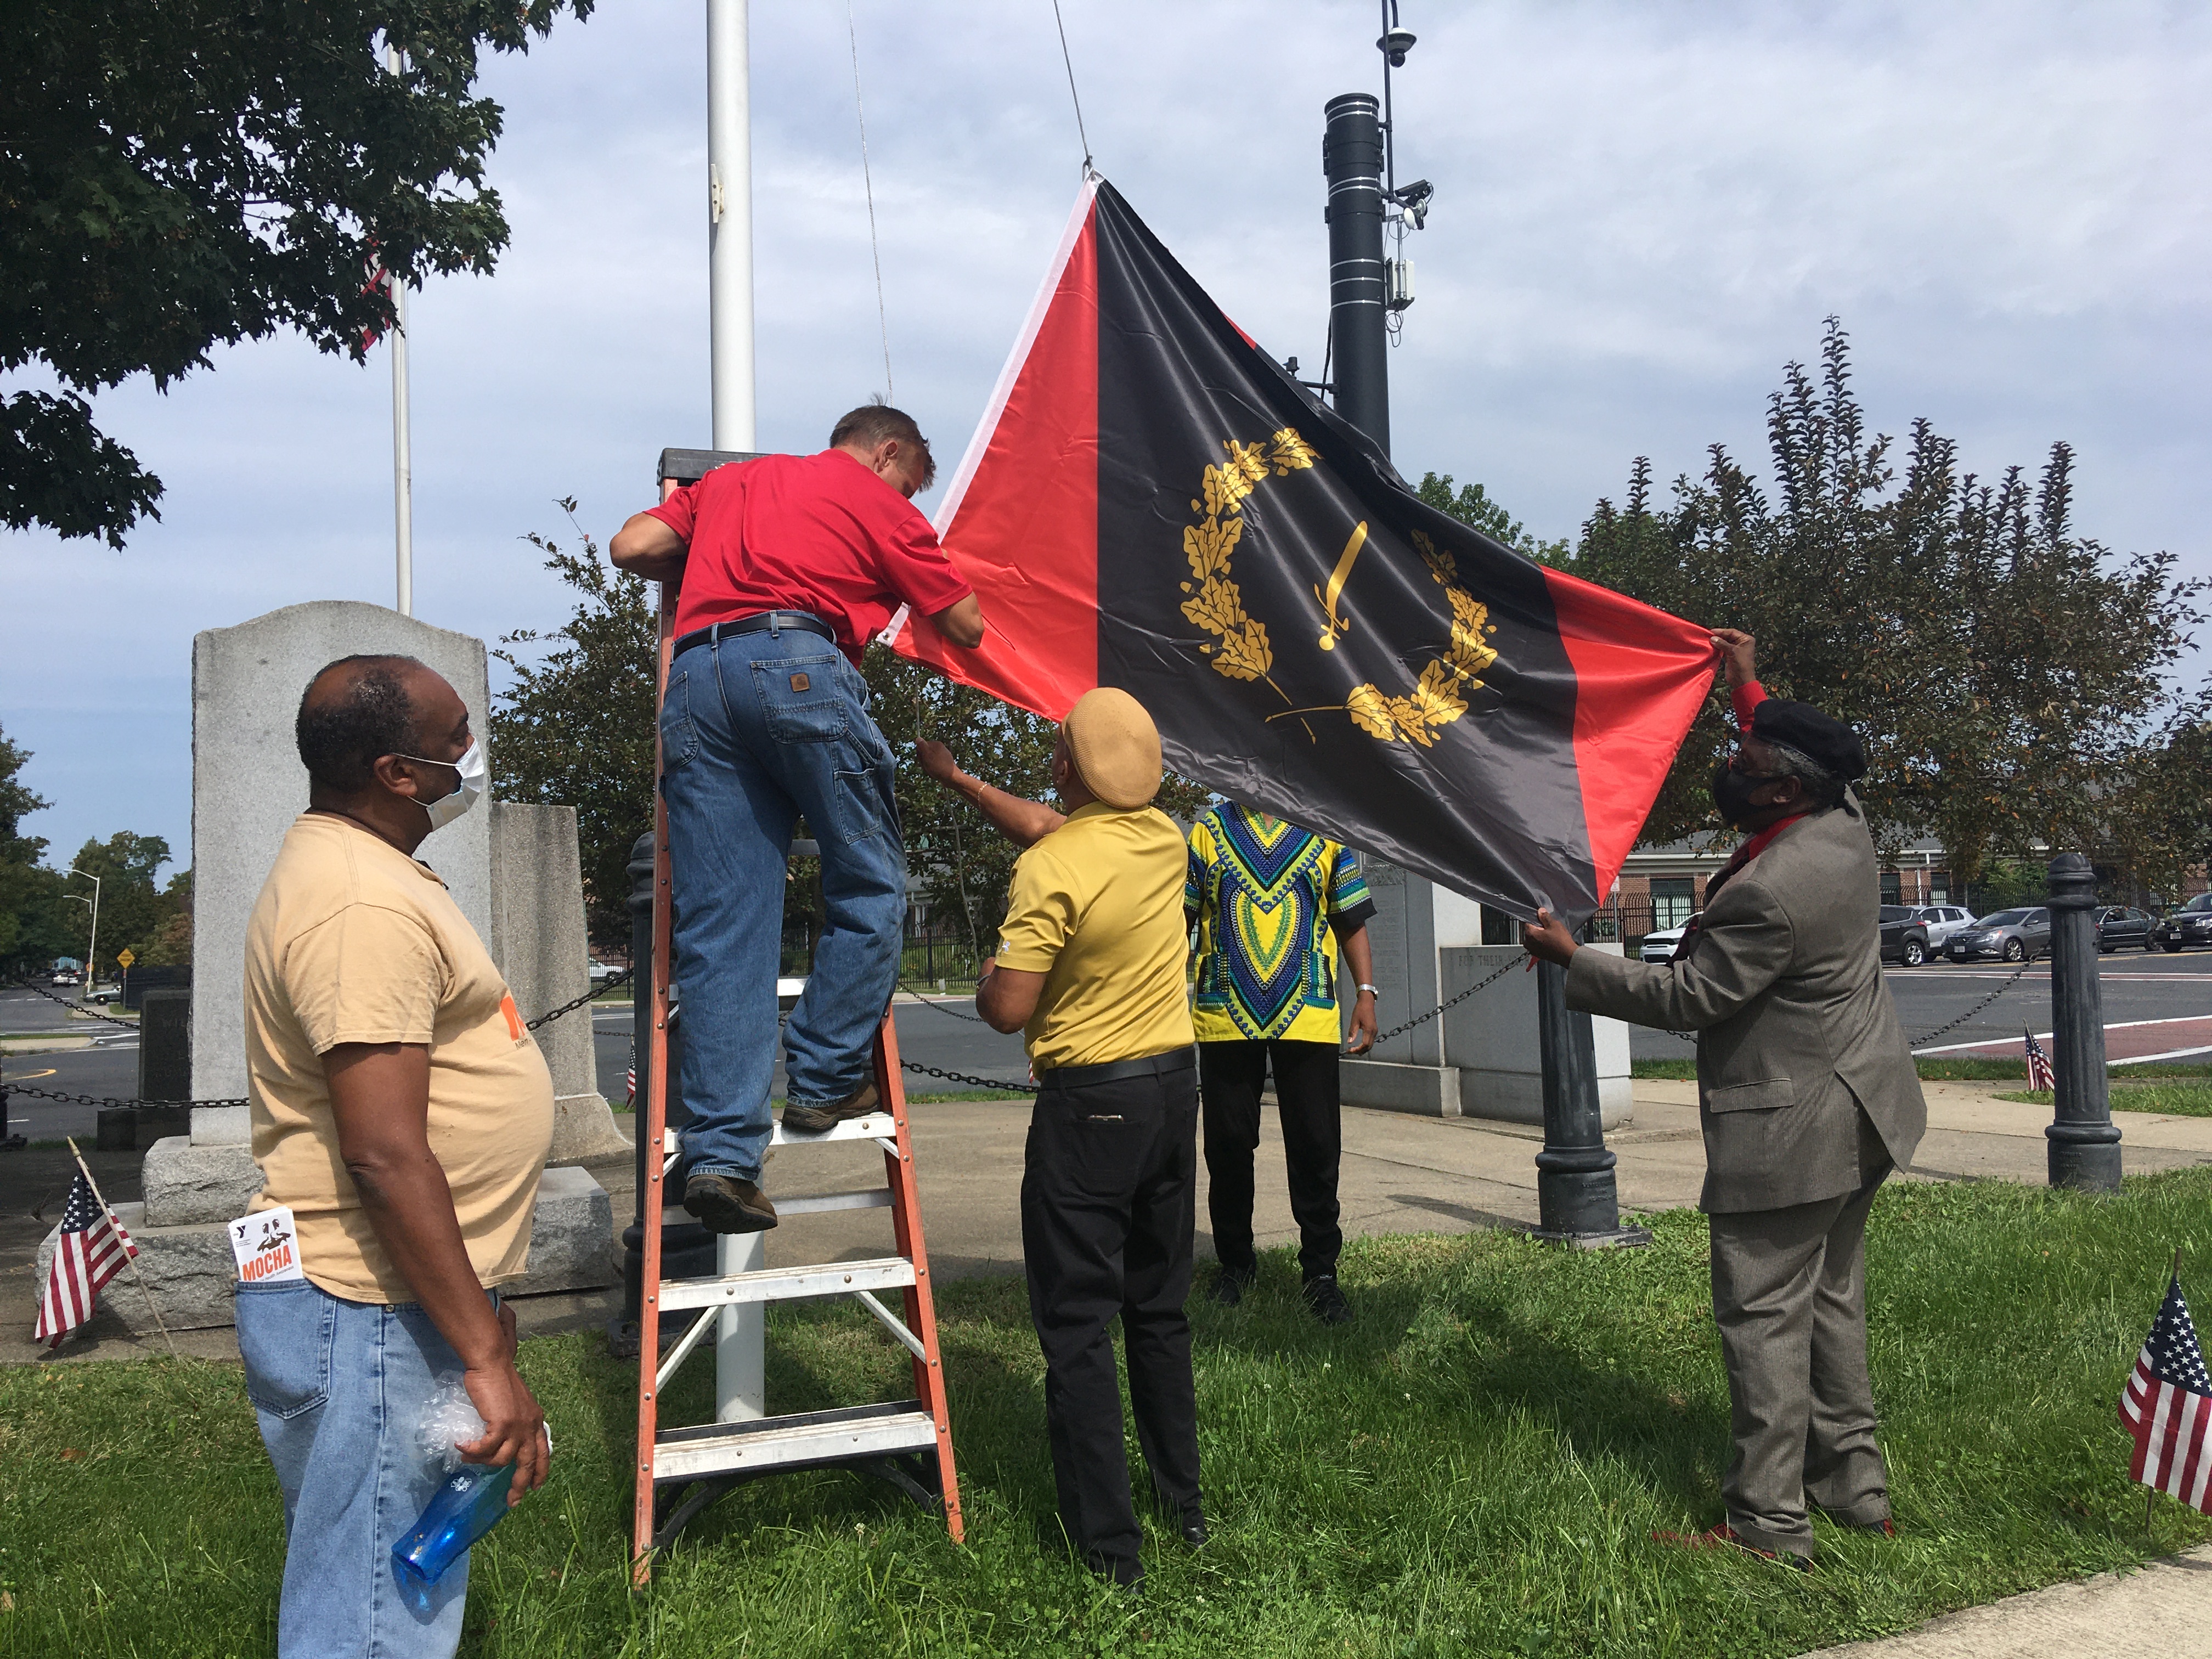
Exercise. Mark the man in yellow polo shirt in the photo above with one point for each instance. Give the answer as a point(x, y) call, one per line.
point(1089, 970)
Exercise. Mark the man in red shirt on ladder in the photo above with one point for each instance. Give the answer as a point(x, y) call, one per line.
point(788, 563)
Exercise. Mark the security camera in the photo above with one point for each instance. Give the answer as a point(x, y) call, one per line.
point(1415, 199)
point(1395, 46)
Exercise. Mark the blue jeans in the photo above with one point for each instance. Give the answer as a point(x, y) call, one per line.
point(339, 1389)
point(755, 731)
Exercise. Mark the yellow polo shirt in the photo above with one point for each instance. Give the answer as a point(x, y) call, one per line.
point(1096, 908)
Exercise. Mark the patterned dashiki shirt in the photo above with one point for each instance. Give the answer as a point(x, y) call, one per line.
point(1263, 901)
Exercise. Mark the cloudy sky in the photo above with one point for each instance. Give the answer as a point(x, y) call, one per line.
point(1643, 211)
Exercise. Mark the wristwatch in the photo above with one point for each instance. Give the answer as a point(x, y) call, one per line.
point(1371, 990)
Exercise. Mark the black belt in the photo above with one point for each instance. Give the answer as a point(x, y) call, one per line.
point(800, 621)
point(1113, 1070)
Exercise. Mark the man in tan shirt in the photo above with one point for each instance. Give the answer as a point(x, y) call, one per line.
point(402, 1114)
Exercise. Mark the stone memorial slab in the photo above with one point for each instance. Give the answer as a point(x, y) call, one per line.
point(248, 786)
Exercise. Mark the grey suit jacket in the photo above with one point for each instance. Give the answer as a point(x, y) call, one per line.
point(1795, 1030)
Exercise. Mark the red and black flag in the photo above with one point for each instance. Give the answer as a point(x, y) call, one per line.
point(1151, 503)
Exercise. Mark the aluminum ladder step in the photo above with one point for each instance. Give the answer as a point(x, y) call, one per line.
point(810, 1439)
point(890, 1272)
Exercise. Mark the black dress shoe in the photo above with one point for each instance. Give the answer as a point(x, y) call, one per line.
point(1229, 1286)
point(1194, 1530)
point(1327, 1301)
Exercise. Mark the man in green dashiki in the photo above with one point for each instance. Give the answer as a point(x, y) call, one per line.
point(1274, 905)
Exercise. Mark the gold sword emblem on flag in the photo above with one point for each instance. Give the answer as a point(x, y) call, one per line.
point(1336, 579)
point(1243, 652)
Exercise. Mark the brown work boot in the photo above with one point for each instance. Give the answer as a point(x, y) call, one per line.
point(728, 1204)
point(813, 1120)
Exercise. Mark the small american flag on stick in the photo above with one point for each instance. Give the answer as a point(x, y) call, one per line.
point(2168, 1406)
point(2040, 1075)
point(92, 1249)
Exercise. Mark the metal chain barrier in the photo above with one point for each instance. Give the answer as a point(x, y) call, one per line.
point(570, 1007)
point(922, 998)
point(1941, 1030)
point(40, 990)
point(961, 1076)
point(1510, 964)
point(64, 1098)
point(106, 1100)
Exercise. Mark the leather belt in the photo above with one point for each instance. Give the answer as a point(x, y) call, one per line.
point(801, 621)
point(1113, 1070)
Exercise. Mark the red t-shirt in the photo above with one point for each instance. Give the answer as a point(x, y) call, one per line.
point(821, 533)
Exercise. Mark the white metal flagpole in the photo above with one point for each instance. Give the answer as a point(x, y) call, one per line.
point(729, 223)
point(740, 1346)
point(402, 481)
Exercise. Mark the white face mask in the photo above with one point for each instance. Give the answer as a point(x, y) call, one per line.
point(471, 766)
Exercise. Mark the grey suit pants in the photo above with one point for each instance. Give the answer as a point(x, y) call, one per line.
point(1789, 1296)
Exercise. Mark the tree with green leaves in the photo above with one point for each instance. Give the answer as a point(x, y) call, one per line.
point(32, 930)
point(180, 174)
point(577, 728)
point(1474, 505)
point(135, 911)
point(2013, 676)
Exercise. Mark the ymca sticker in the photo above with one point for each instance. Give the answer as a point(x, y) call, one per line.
point(266, 1246)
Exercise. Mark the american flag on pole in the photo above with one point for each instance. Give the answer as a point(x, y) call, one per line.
point(2040, 1075)
point(91, 1251)
point(2168, 1407)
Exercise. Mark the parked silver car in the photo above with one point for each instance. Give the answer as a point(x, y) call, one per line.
point(1945, 923)
point(2019, 935)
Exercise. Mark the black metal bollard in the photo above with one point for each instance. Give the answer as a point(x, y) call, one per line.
point(1577, 1200)
point(2085, 1142)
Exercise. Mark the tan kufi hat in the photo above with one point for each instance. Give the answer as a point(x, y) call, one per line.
point(1115, 747)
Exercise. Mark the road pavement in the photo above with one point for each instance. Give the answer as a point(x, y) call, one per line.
point(2157, 1006)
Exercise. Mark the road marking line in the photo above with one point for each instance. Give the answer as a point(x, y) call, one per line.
point(2045, 1036)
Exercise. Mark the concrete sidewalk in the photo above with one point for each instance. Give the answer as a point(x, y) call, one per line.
point(2133, 1615)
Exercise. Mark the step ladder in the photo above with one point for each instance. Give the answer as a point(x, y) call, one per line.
point(907, 1443)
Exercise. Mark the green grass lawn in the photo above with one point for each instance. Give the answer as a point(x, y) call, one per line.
point(1473, 1467)
point(2180, 1099)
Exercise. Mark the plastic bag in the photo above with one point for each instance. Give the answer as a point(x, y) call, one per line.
point(450, 1421)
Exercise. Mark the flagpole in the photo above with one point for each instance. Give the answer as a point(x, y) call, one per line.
point(130, 1256)
point(740, 1334)
point(402, 479)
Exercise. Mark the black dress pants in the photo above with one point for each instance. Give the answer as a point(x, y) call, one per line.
point(1232, 1074)
point(1109, 1204)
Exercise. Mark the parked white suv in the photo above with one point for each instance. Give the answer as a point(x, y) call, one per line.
point(1941, 921)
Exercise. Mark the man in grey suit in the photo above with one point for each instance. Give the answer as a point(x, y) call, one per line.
point(1808, 1096)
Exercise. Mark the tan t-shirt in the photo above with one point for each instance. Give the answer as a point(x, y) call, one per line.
point(1096, 908)
point(353, 941)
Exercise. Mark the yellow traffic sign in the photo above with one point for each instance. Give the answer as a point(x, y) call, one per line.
point(126, 956)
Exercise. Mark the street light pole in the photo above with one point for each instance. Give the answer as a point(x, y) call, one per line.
point(92, 945)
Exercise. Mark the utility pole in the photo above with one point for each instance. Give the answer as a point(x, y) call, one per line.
point(740, 1334)
point(403, 469)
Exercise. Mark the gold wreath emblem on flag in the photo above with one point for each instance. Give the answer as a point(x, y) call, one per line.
point(1241, 651)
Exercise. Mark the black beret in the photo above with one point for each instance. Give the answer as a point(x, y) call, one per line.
point(1822, 738)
